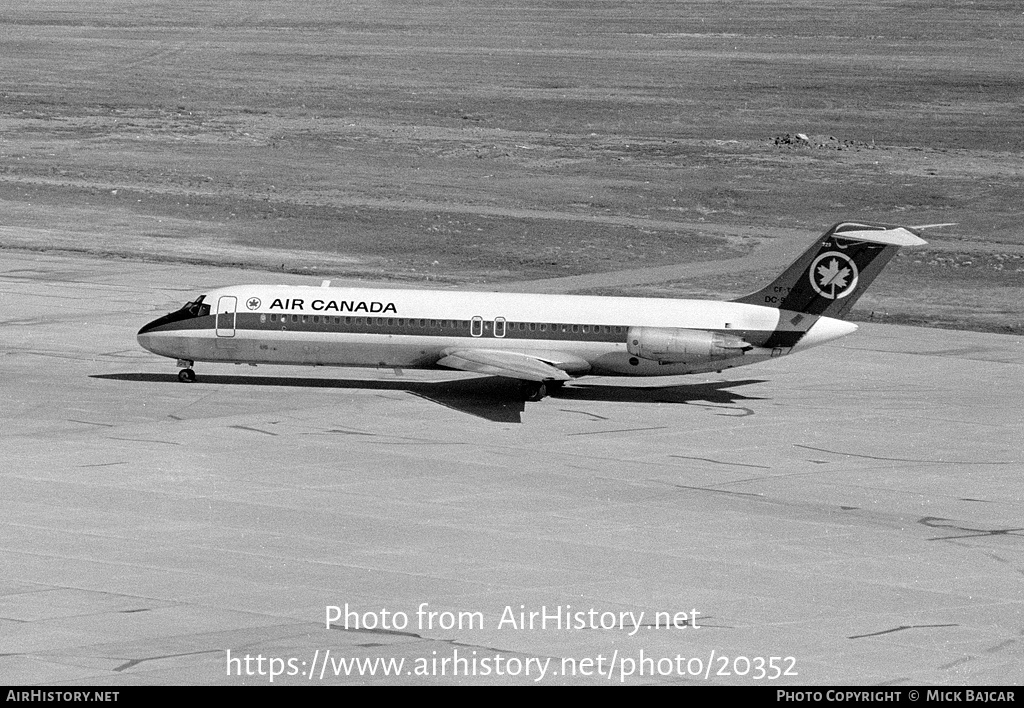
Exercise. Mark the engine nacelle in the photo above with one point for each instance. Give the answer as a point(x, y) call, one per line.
point(683, 346)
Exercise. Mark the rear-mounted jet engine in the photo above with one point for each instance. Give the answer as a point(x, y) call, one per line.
point(683, 346)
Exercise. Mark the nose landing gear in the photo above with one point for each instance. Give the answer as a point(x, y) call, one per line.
point(186, 375)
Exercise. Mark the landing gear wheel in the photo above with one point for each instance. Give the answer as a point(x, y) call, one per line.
point(534, 390)
point(186, 376)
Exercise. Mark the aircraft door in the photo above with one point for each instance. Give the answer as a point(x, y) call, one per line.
point(226, 316)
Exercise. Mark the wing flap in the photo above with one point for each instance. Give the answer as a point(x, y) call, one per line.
point(512, 364)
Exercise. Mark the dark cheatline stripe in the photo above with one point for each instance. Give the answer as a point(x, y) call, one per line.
point(553, 331)
point(431, 328)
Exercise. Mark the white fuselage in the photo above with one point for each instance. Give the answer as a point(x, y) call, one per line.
point(326, 326)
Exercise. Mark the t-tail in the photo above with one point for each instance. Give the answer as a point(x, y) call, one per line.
point(829, 278)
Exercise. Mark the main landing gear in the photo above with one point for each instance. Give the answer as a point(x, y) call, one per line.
point(538, 390)
point(186, 375)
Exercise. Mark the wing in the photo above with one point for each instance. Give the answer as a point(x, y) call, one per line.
point(529, 366)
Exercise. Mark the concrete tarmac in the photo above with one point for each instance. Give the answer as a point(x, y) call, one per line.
point(850, 515)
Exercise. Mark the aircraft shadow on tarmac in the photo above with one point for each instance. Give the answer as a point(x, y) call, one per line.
point(492, 398)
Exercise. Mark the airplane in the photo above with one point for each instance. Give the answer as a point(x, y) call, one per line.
point(541, 340)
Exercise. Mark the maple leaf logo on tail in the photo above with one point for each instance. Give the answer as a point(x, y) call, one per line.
point(833, 275)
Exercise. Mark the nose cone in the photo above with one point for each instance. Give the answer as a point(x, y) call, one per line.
point(145, 337)
point(149, 336)
point(145, 340)
point(825, 330)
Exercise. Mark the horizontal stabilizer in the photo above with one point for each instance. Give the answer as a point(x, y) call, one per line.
point(897, 236)
point(511, 364)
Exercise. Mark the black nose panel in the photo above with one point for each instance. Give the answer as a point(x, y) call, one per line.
point(157, 323)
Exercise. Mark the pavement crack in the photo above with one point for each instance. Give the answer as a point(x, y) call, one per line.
point(135, 662)
point(146, 440)
point(593, 416)
point(999, 647)
point(254, 430)
point(930, 522)
point(89, 422)
point(900, 629)
point(902, 459)
point(958, 662)
point(386, 632)
point(623, 430)
point(720, 462)
point(707, 489)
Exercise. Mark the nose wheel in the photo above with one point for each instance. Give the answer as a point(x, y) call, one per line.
point(186, 375)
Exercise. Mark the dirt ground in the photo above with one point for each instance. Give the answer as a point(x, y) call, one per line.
point(479, 143)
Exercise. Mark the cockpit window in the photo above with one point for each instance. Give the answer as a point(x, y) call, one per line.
point(196, 308)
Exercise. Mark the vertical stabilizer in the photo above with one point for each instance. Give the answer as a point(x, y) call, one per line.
point(834, 272)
